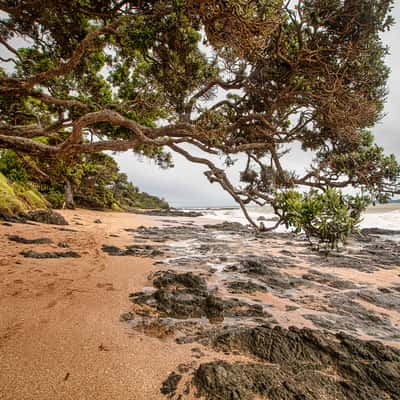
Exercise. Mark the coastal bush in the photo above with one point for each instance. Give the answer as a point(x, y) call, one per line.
point(55, 198)
point(95, 182)
point(328, 217)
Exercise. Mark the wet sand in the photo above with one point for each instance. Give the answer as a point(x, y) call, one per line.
point(60, 333)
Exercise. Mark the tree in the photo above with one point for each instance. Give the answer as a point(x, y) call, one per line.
point(94, 181)
point(230, 77)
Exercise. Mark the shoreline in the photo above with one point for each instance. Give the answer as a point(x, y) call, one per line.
point(60, 330)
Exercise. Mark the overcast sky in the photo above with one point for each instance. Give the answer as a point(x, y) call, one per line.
point(186, 186)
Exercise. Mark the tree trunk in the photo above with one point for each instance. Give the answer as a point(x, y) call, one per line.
point(68, 195)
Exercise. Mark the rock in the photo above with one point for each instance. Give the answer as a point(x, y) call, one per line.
point(170, 385)
point(20, 219)
point(128, 316)
point(172, 280)
point(267, 271)
point(44, 216)
point(214, 308)
point(381, 298)
point(133, 250)
point(97, 221)
point(63, 245)
point(168, 213)
point(20, 239)
point(185, 296)
point(34, 254)
point(245, 287)
point(341, 313)
point(229, 227)
point(299, 364)
point(328, 279)
point(271, 219)
point(379, 231)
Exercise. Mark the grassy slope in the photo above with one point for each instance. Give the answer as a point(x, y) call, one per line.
point(15, 198)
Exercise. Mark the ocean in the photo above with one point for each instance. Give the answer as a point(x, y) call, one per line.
point(384, 216)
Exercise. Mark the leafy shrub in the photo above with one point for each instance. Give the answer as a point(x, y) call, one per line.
point(329, 216)
point(55, 198)
point(11, 166)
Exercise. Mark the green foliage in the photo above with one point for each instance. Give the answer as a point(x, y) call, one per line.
point(55, 197)
point(364, 164)
point(11, 166)
point(95, 180)
point(330, 217)
point(9, 202)
point(16, 197)
point(273, 74)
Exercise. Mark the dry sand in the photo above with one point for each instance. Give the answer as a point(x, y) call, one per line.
point(60, 334)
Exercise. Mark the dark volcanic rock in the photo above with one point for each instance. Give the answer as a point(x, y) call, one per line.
point(20, 239)
point(184, 296)
point(379, 231)
point(133, 250)
point(229, 227)
point(47, 254)
point(328, 279)
point(45, 217)
point(267, 271)
point(172, 280)
point(350, 316)
point(20, 218)
point(245, 287)
point(170, 385)
point(300, 364)
point(372, 256)
point(168, 213)
point(382, 298)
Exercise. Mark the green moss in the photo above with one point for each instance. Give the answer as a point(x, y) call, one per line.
point(9, 201)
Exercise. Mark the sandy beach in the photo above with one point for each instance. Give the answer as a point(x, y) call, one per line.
point(60, 333)
point(69, 328)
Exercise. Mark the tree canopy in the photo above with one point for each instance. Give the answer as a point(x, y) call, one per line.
point(93, 180)
point(203, 78)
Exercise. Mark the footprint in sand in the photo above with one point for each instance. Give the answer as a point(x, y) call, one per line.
point(52, 304)
point(9, 333)
point(106, 286)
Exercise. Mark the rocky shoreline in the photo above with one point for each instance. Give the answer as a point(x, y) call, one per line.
point(181, 309)
point(267, 316)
